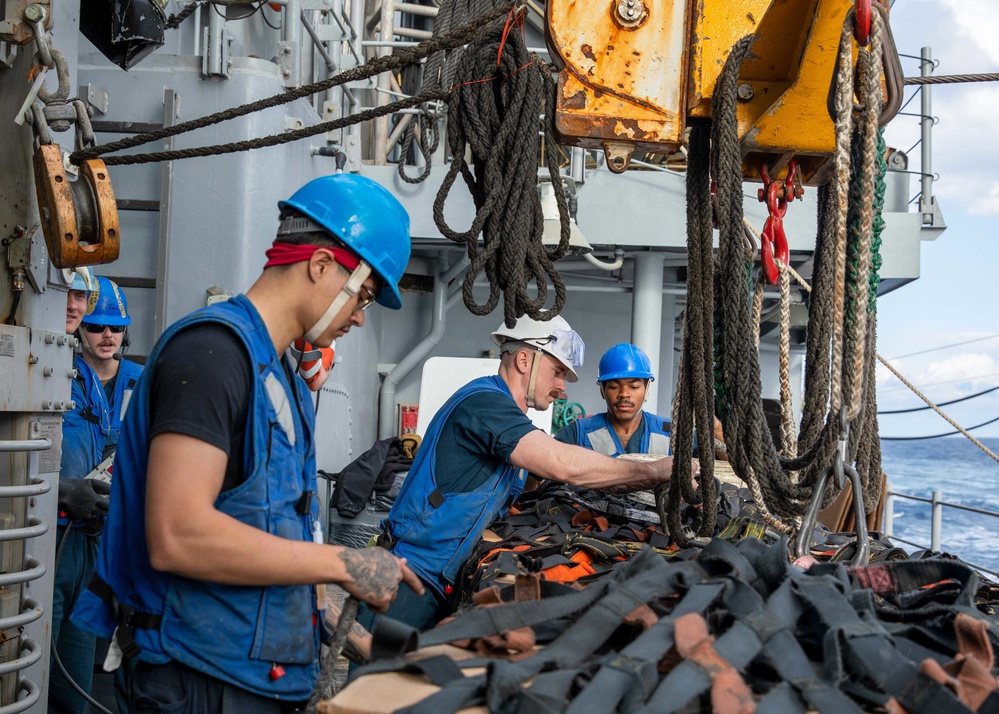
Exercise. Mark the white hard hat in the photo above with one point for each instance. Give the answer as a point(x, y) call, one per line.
point(553, 337)
point(79, 278)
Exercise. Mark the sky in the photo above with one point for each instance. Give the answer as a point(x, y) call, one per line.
point(954, 300)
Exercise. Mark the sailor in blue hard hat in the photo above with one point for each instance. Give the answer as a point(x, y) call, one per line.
point(209, 578)
point(625, 373)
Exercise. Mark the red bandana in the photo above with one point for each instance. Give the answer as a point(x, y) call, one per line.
point(281, 253)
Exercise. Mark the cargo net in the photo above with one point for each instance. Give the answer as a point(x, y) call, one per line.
point(578, 603)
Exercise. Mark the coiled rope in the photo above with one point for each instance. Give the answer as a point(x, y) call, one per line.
point(494, 118)
point(438, 72)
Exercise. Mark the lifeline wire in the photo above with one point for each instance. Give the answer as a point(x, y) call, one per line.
point(953, 78)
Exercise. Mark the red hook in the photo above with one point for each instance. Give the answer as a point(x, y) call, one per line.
point(773, 239)
point(862, 29)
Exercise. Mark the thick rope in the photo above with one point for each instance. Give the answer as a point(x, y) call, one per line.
point(789, 445)
point(376, 66)
point(501, 92)
point(751, 450)
point(438, 72)
point(693, 407)
point(324, 685)
point(843, 102)
point(174, 20)
point(277, 139)
point(861, 230)
point(953, 78)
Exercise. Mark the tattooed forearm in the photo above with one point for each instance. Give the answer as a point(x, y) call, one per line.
point(374, 572)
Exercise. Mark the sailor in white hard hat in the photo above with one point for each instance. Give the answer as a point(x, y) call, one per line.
point(474, 458)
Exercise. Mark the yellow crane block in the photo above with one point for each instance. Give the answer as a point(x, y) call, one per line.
point(633, 73)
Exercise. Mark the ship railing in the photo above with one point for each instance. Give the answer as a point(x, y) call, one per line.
point(937, 504)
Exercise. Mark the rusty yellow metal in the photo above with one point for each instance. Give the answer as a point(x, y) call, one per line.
point(785, 81)
point(622, 72)
point(793, 116)
point(626, 88)
point(79, 219)
point(716, 25)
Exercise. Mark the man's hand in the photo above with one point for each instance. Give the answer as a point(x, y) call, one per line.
point(375, 575)
point(83, 499)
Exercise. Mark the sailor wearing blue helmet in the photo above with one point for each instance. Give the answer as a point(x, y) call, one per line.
point(625, 373)
point(212, 552)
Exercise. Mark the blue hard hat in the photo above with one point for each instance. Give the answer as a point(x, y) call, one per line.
point(107, 305)
point(368, 219)
point(624, 361)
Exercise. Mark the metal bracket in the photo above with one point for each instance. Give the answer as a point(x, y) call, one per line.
point(95, 97)
point(8, 53)
point(288, 63)
point(216, 60)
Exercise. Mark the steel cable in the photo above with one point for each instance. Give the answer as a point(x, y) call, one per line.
point(953, 79)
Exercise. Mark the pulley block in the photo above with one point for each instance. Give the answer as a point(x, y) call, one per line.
point(79, 218)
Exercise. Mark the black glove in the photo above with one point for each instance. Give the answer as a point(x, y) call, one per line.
point(83, 499)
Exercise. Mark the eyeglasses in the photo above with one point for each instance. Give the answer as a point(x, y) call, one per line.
point(365, 297)
point(98, 329)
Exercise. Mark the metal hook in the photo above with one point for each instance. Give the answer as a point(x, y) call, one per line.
point(839, 470)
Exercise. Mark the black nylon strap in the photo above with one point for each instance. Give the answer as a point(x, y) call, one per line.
point(439, 670)
point(867, 647)
point(633, 673)
point(135, 618)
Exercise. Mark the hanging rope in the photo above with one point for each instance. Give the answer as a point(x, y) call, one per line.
point(438, 72)
point(174, 20)
point(750, 447)
point(494, 117)
point(915, 390)
point(693, 406)
point(376, 66)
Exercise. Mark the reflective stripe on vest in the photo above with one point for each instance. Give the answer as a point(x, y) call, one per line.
point(659, 444)
point(596, 432)
point(601, 440)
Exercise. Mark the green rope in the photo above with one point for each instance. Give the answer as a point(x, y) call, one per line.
point(878, 224)
point(564, 413)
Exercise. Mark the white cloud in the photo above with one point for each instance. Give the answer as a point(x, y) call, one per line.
point(968, 367)
point(977, 25)
point(961, 34)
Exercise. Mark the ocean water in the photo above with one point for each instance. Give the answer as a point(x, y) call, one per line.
point(965, 475)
